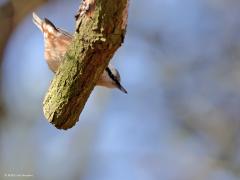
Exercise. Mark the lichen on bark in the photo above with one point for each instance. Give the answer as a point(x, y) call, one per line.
point(97, 37)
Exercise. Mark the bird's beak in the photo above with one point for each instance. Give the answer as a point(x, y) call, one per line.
point(121, 88)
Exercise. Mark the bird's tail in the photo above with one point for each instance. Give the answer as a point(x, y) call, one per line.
point(38, 21)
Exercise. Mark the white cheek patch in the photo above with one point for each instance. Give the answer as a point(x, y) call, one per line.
point(48, 28)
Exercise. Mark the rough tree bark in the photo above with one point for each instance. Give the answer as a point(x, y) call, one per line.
point(100, 30)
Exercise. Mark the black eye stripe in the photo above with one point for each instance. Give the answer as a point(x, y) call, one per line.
point(112, 76)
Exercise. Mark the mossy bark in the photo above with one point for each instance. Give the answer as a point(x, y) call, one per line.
point(97, 38)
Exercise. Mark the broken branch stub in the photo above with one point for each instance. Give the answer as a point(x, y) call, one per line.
point(100, 30)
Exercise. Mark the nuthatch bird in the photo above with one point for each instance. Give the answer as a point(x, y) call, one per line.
point(56, 43)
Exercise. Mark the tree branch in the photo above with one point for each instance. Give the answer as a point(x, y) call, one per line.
point(100, 30)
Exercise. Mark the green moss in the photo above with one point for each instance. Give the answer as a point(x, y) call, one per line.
point(92, 48)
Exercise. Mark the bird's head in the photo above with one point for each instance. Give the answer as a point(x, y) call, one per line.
point(112, 78)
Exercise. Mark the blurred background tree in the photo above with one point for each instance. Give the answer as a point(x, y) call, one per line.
point(11, 14)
